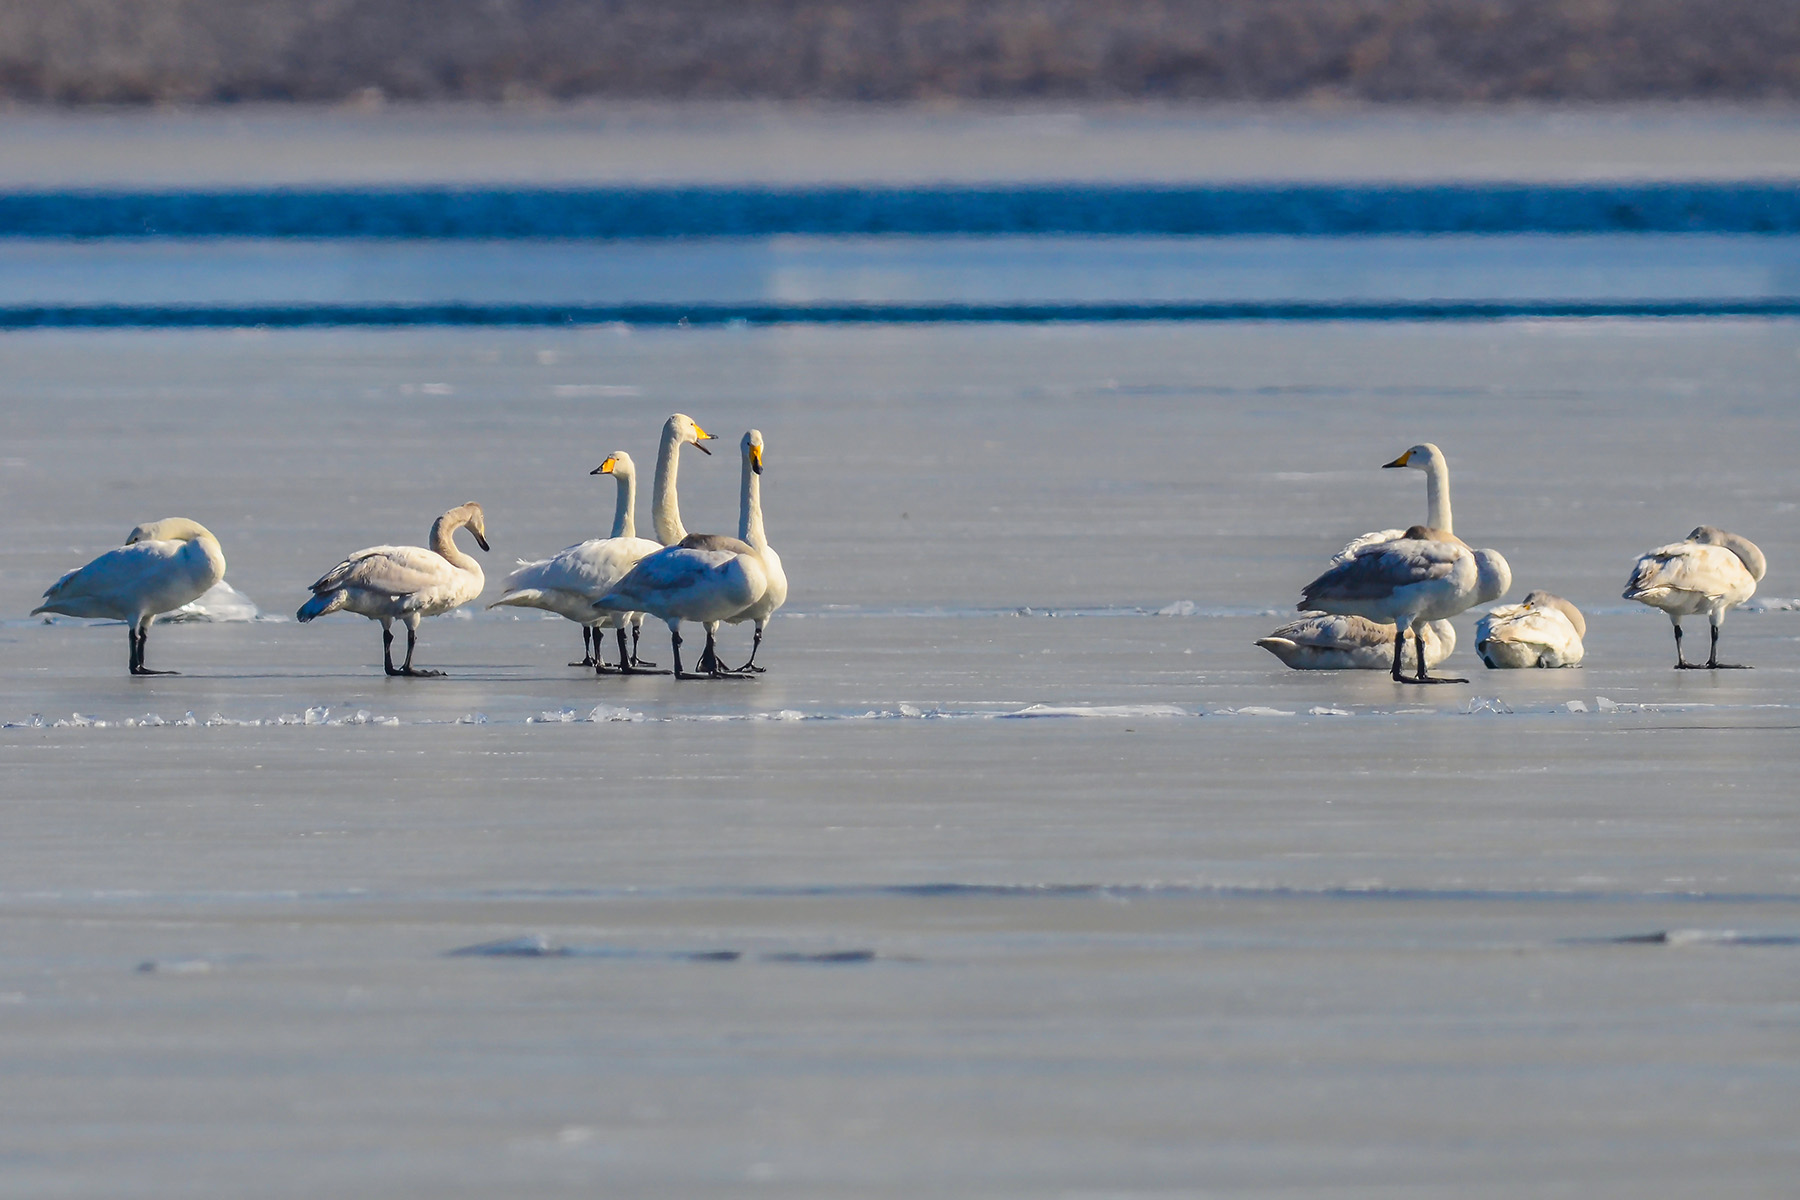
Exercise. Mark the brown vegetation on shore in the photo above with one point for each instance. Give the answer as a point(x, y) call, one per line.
point(207, 51)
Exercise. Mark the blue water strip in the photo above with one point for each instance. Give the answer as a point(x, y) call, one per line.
point(128, 316)
point(723, 211)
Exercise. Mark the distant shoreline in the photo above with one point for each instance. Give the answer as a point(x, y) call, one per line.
point(216, 52)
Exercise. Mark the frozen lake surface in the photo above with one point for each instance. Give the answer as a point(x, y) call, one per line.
point(1021, 872)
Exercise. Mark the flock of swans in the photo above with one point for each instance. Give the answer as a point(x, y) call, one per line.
point(603, 583)
point(1386, 584)
point(1356, 615)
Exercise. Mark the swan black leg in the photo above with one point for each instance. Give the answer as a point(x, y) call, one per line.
point(1419, 648)
point(1399, 653)
point(387, 650)
point(675, 643)
point(636, 629)
point(755, 645)
point(629, 664)
point(1681, 662)
point(1713, 663)
point(140, 645)
point(589, 649)
point(406, 668)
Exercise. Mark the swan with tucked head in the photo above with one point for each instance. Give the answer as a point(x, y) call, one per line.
point(1543, 630)
point(1712, 572)
point(1330, 642)
point(1427, 575)
point(708, 578)
point(162, 566)
point(1424, 457)
point(570, 581)
point(405, 583)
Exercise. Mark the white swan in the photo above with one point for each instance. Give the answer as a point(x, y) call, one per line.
point(1428, 575)
point(1329, 642)
point(162, 565)
point(1711, 572)
point(1424, 457)
point(750, 530)
point(706, 578)
point(570, 581)
point(385, 583)
point(1543, 630)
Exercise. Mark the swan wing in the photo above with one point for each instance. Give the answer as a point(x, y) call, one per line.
point(1687, 567)
point(1381, 570)
point(388, 570)
point(123, 582)
point(591, 568)
point(1363, 541)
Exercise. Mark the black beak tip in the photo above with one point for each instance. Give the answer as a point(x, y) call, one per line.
point(701, 447)
point(757, 467)
point(482, 542)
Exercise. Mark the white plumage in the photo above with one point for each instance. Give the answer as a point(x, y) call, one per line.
point(1332, 642)
point(1711, 572)
point(162, 566)
point(568, 582)
point(1543, 630)
point(1427, 575)
point(1424, 457)
point(750, 530)
point(405, 583)
point(709, 578)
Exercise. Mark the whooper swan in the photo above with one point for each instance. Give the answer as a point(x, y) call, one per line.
point(162, 566)
point(570, 581)
point(1328, 642)
point(1428, 575)
point(707, 578)
point(408, 583)
point(1711, 572)
point(1543, 630)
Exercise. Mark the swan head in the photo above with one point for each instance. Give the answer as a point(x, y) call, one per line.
point(682, 428)
point(753, 447)
point(1492, 576)
point(470, 517)
point(169, 529)
point(1421, 457)
point(617, 463)
point(1743, 547)
point(1546, 601)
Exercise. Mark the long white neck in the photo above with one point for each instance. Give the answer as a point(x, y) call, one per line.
point(663, 511)
point(625, 514)
point(443, 540)
point(750, 525)
point(1437, 495)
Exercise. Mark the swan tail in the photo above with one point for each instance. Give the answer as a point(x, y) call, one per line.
point(524, 598)
point(319, 605)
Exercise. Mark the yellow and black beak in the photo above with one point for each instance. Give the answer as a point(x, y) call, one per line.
point(1402, 461)
point(479, 540)
point(756, 459)
point(605, 468)
point(700, 438)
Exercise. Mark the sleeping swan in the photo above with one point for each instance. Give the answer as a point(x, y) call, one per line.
point(405, 582)
point(1542, 631)
point(1324, 642)
point(162, 566)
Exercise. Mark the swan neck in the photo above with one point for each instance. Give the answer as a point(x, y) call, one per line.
point(663, 511)
point(625, 512)
point(750, 521)
point(1437, 496)
point(443, 541)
